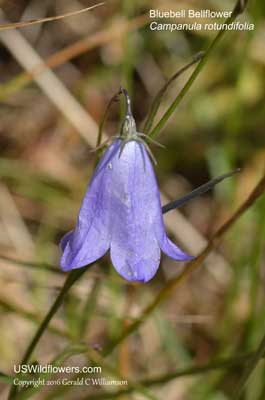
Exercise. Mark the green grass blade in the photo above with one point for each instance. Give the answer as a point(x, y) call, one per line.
point(238, 9)
point(158, 98)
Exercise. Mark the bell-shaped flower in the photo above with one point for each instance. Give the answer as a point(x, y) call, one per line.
point(121, 212)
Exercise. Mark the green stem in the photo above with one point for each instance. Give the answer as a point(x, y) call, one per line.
point(238, 9)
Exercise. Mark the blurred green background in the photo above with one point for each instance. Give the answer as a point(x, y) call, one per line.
point(48, 126)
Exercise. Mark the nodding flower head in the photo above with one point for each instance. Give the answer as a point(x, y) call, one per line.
point(121, 212)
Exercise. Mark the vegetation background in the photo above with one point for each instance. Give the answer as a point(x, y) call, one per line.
point(200, 340)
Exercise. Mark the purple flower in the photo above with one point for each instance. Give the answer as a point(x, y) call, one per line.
point(121, 212)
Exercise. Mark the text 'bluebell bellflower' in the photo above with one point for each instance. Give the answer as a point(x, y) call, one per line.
point(121, 212)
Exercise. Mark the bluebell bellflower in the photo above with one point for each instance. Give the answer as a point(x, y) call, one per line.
point(121, 212)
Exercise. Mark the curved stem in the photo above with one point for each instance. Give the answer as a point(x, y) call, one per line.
point(128, 129)
point(113, 99)
point(128, 102)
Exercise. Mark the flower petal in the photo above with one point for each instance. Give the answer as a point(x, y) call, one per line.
point(173, 251)
point(132, 266)
point(91, 238)
point(65, 240)
point(135, 251)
